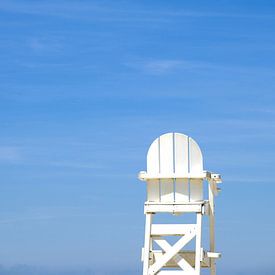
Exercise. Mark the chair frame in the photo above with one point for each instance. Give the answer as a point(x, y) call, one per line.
point(173, 256)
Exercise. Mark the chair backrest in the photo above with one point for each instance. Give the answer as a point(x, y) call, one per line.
point(179, 157)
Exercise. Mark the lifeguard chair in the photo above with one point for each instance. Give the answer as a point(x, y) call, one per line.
point(175, 178)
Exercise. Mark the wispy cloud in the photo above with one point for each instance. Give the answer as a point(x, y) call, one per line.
point(76, 165)
point(10, 154)
point(53, 213)
point(110, 12)
point(166, 66)
point(251, 180)
point(163, 66)
point(44, 44)
point(49, 8)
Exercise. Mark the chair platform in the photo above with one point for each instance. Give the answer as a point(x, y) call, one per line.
point(189, 256)
point(176, 207)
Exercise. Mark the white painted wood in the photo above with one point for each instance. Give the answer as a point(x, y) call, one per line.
point(166, 190)
point(212, 226)
point(187, 204)
point(198, 244)
point(166, 145)
point(181, 154)
point(214, 255)
point(174, 180)
point(166, 154)
point(195, 157)
point(180, 261)
point(196, 190)
point(181, 190)
point(171, 253)
point(142, 254)
point(145, 176)
point(153, 191)
point(147, 243)
point(172, 208)
point(153, 158)
point(189, 256)
point(172, 272)
point(172, 229)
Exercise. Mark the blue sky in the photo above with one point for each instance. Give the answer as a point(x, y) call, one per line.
point(86, 86)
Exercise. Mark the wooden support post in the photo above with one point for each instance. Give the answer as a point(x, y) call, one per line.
point(198, 244)
point(147, 243)
point(212, 226)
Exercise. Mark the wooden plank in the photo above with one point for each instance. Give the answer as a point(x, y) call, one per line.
point(195, 158)
point(166, 167)
point(172, 272)
point(214, 255)
point(198, 256)
point(181, 153)
point(177, 208)
point(147, 243)
point(180, 261)
point(181, 190)
point(153, 191)
point(166, 154)
point(212, 226)
point(171, 253)
point(172, 229)
point(189, 256)
point(166, 190)
point(196, 190)
point(153, 158)
point(146, 176)
point(176, 203)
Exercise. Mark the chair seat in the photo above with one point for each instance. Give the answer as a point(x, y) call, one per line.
point(176, 207)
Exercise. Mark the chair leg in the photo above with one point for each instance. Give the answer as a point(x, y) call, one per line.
point(198, 244)
point(212, 228)
point(213, 267)
point(147, 243)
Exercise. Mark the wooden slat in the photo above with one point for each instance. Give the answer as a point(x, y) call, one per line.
point(167, 190)
point(195, 158)
point(146, 176)
point(181, 153)
point(214, 255)
point(172, 229)
point(153, 158)
point(196, 190)
point(181, 190)
point(189, 256)
point(171, 272)
point(166, 167)
point(172, 208)
point(180, 261)
point(171, 253)
point(153, 191)
point(166, 154)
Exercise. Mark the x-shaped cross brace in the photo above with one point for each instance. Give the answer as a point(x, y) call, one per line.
point(172, 252)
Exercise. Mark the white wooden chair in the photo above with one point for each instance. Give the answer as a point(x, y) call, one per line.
point(174, 180)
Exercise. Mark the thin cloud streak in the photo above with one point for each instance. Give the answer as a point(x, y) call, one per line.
point(10, 154)
point(56, 217)
point(76, 165)
point(159, 66)
point(163, 66)
point(74, 10)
